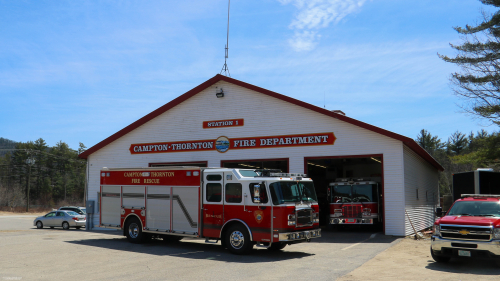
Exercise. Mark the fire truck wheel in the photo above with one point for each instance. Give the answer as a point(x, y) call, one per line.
point(277, 246)
point(133, 231)
point(237, 240)
point(439, 259)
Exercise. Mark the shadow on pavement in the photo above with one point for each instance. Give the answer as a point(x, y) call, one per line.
point(350, 236)
point(466, 266)
point(190, 250)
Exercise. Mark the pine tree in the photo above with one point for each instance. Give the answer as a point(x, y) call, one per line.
point(428, 142)
point(457, 143)
point(479, 59)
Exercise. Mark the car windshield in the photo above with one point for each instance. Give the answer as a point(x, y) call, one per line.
point(475, 208)
point(76, 210)
point(291, 191)
point(71, 213)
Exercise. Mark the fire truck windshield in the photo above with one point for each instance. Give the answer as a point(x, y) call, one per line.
point(475, 208)
point(290, 191)
point(354, 193)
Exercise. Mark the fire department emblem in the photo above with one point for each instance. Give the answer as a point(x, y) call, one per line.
point(259, 216)
point(222, 144)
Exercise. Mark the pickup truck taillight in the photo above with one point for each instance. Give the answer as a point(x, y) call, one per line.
point(436, 230)
point(496, 233)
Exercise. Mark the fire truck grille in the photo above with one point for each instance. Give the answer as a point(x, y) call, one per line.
point(353, 211)
point(304, 217)
point(466, 232)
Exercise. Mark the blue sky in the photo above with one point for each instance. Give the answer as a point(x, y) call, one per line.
point(79, 71)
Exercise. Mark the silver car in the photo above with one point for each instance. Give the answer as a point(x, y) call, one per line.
point(64, 219)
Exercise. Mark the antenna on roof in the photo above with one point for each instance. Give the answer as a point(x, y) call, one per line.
point(225, 70)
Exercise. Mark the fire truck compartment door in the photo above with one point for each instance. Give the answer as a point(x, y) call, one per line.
point(158, 210)
point(110, 205)
point(185, 209)
point(213, 207)
point(133, 196)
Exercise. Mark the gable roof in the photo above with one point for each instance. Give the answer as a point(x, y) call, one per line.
point(407, 141)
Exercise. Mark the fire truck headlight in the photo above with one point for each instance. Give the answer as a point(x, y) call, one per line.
point(337, 212)
point(290, 223)
point(367, 212)
point(496, 233)
point(291, 217)
point(437, 230)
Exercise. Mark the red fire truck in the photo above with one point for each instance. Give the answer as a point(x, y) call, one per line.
point(239, 207)
point(354, 201)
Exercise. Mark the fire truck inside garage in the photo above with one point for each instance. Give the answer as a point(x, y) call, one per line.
point(333, 175)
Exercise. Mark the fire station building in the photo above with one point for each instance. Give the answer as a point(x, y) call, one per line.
point(225, 122)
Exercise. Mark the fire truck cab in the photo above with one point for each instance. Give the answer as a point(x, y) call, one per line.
point(239, 207)
point(354, 201)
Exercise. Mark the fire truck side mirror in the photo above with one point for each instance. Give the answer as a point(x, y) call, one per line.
point(256, 193)
point(328, 192)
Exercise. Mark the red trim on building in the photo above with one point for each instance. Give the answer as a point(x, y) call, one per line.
point(258, 160)
point(407, 141)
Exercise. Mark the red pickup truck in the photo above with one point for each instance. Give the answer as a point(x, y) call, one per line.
point(470, 229)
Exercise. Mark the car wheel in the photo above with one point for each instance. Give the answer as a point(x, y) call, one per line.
point(439, 259)
point(65, 225)
point(39, 224)
point(133, 231)
point(277, 246)
point(237, 240)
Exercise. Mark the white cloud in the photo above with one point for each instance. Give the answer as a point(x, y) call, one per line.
point(314, 15)
point(304, 40)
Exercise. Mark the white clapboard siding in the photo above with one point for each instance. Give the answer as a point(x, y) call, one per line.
point(263, 116)
point(419, 174)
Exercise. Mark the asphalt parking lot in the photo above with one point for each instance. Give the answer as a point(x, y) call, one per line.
point(53, 254)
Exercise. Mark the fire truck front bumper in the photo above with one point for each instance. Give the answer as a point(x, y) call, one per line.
point(299, 235)
point(351, 220)
point(465, 248)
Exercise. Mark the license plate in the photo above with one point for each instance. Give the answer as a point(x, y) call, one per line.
point(463, 253)
point(351, 220)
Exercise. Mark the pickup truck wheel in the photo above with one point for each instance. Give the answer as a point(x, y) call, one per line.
point(440, 259)
point(133, 231)
point(237, 240)
point(277, 246)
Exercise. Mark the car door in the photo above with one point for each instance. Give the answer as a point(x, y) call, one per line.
point(59, 218)
point(47, 220)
